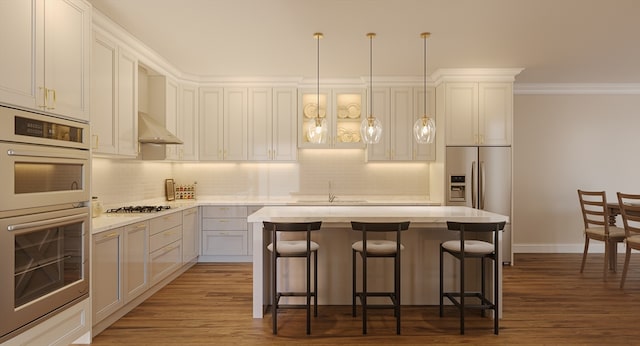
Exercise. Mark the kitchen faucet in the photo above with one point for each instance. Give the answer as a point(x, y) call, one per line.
point(331, 195)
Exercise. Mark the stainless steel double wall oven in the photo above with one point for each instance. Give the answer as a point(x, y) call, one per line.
point(44, 217)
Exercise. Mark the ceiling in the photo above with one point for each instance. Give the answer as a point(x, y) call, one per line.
point(555, 41)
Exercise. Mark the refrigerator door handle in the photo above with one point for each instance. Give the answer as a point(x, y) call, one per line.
point(473, 185)
point(482, 184)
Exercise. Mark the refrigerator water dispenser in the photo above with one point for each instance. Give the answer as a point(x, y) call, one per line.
point(457, 188)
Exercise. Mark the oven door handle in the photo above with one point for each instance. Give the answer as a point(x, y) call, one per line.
point(29, 153)
point(46, 222)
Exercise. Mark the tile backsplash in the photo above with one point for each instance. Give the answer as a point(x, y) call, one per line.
point(121, 181)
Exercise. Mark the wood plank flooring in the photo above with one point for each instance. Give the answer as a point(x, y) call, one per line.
point(546, 301)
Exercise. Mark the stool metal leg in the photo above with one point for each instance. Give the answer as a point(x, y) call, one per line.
point(315, 283)
point(353, 281)
point(308, 260)
point(364, 292)
point(274, 293)
point(441, 284)
point(462, 294)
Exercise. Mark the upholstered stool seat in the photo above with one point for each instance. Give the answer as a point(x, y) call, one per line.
point(470, 246)
point(293, 247)
point(377, 247)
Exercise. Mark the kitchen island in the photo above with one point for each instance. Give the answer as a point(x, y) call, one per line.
point(420, 257)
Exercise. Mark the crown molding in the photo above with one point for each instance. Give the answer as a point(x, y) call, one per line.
point(475, 75)
point(576, 88)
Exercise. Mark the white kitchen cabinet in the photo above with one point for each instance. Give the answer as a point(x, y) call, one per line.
point(107, 266)
point(190, 235)
point(272, 124)
point(104, 88)
point(136, 260)
point(114, 118)
point(223, 124)
point(187, 123)
point(225, 234)
point(45, 60)
point(342, 108)
point(478, 113)
point(127, 103)
point(165, 246)
point(397, 109)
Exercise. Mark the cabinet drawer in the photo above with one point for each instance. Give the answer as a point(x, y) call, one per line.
point(164, 261)
point(164, 238)
point(224, 212)
point(224, 242)
point(224, 224)
point(161, 223)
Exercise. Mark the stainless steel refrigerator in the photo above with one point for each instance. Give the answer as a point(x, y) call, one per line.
point(480, 177)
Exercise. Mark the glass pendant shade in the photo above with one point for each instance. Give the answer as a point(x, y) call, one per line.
point(371, 130)
point(317, 131)
point(424, 130)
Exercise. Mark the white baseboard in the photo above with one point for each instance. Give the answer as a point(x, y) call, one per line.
point(594, 247)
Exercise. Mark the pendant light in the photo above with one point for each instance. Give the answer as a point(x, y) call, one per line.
point(424, 129)
point(371, 128)
point(317, 130)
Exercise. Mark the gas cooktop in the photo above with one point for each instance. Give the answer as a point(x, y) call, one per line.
point(139, 209)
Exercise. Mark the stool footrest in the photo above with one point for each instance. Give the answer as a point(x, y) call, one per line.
point(485, 304)
point(389, 295)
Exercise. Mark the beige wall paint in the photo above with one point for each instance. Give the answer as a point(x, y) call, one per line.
point(563, 143)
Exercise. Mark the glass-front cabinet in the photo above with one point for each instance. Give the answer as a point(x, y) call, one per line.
point(343, 110)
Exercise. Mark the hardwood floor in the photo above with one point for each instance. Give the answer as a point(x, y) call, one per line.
point(546, 301)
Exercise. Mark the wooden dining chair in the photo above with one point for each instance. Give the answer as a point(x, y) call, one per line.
point(595, 215)
point(630, 210)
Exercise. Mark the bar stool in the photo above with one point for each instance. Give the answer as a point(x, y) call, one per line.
point(372, 249)
point(292, 249)
point(462, 249)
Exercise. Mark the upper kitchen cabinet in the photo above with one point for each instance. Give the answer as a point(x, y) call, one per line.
point(187, 122)
point(223, 123)
point(398, 108)
point(45, 60)
point(343, 110)
point(114, 95)
point(478, 113)
point(272, 124)
point(162, 105)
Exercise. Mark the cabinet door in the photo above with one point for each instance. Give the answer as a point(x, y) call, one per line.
point(136, 254)
point(424, 152)
point(210, 119)
point(127, 103)
point(260, 133)
point(107, 260)
point(495, 104)
point(67, 42)
point(400, 127)
point(21, 38)
point(190, 239)
point(308, 111)
point(381, 110)
point(188, 123)
point(104, 117)
point(235, 124)
point(461, 113)
point(284, 125)
point(211, 116)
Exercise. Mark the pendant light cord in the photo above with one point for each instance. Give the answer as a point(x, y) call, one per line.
point(318, 36)
point(371, 75)
point(425, 75)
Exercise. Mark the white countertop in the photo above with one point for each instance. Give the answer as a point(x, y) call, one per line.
point(108, 221)
point(373, 213)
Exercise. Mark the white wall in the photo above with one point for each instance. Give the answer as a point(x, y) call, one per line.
point(563, 143)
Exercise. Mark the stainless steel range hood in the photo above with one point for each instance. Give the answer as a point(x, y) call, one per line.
point(151, 131)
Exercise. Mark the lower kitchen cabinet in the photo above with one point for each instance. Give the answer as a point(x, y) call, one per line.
point(107, 260)
point(136, 260)
point(190, 235)
point(226, 236)
point(165, 246)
